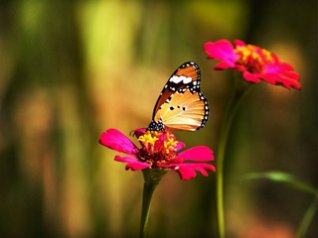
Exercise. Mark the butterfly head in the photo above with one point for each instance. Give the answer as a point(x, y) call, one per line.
point(156, 126)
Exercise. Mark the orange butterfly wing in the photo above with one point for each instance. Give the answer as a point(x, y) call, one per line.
point(181, 104)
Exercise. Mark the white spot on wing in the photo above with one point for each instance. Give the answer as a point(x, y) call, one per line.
point(186, 80)
point(177, 79)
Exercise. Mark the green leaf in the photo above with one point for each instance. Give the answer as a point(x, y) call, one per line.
point(282, 177)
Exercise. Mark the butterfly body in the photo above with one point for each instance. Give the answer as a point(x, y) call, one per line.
point(181, 104)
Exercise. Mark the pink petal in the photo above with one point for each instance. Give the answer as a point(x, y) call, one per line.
point(221, 50)
point(239, 43)
point(270, 78)
point(255, 78)
point(115, 140)
point(223, 65)
point(275, 58)
point(197, 153)
point(278, 68)
point(188, 171)
point(283, 74)
point(132, 163)
point(139, 132)
point(180, 145)
point(285, 80)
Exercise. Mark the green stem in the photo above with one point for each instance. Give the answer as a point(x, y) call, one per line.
point(307, 219)
point(152, 178)
point(225, 129)
point(149, 188)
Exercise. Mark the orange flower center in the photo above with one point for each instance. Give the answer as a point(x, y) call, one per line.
point(253, 57)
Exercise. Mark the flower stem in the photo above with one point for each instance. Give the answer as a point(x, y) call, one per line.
point(152, 178)
point(307, 219)
point(146, 199)
point(225, 130)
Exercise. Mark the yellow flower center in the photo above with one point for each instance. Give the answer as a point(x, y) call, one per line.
point(158, 148)
point(253, 57)
point(150, 137)
point(170, 144)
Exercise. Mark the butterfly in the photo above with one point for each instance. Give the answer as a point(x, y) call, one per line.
point(181, 104)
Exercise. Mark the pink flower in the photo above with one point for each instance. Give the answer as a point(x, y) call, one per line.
point(159, 150)
point(255, 63)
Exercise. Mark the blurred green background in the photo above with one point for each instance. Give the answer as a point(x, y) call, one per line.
point(69, 71)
